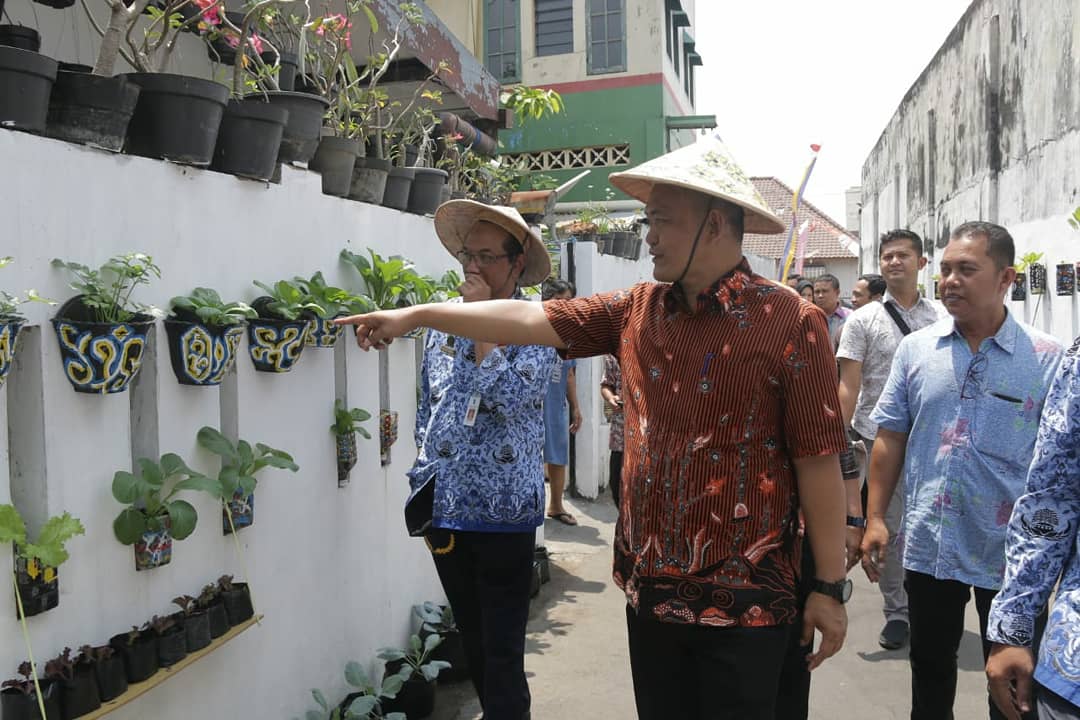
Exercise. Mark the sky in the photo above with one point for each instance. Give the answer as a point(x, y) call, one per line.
point(781, 75)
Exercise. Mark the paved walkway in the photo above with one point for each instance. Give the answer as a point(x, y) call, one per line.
point(577, 660)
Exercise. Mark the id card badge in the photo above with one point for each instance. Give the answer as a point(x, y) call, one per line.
point(471, 409)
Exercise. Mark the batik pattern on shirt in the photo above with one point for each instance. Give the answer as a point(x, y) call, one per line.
point(1044, 543)
point(971, 421)
point(717, 403)
point(612, 379)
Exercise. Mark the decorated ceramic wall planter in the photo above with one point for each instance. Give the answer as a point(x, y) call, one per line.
point(242, 509)
point(202, 355)
point(99, 357)
point(1037, 278)
point(9, 335)
point(154, 548)
point(274, 344)
point(39, 586)
point(1019, 288)
point(1066, 279)
point(323, 333)
point(388, 433)
point(346, 456)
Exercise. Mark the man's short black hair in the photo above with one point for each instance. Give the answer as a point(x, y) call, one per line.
point(831, 279)
point(900, 234)
point(555, 286)
point(875, 284)
point(999, 243)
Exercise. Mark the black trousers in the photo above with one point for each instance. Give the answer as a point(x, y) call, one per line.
point(486, 577)
point(615, 475)
point(793, 697)
point(689, 672)
point(936, 610)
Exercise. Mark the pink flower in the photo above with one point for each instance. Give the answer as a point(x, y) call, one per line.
point(210, 10)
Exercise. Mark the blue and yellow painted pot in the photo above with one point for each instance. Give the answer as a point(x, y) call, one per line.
point(9, 336)
point(243, 512)
point(202, 355)
point(39, 586)
point(99, 357)
point(275, 345)
point(154, 548)
point(346, 457)
point(323, 332)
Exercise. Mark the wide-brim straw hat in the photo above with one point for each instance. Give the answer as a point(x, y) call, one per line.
point(708, 168)
point(455, 219)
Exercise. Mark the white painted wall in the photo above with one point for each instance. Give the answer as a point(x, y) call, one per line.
point(332, 569)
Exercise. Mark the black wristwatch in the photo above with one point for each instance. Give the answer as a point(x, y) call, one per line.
point(856, 522)
point(838, 591)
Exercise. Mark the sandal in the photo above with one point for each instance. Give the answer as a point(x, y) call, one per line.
point(564, 517)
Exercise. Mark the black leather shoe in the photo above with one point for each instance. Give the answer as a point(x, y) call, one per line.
point(894, 635)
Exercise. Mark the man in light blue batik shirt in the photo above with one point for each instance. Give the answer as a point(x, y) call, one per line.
point(1043, 548)
point(959, 415)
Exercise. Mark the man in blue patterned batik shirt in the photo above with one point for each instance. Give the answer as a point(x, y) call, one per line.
point(959, 415)
point(1043, 549)
point(480, 434)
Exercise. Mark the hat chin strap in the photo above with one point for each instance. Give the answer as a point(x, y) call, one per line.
point(693, 248)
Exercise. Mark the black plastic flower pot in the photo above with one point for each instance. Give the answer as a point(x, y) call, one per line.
point(1037, 273)
point(323, 333)
point(39, 586)
point(1019, 288)
point(21, 37)
point(111, 677)
point(99, 357)
point(239, 512)
point(1066, 286)
point(176, 117)
point(346, 456)
point(286, 78)
point(26, 80)
point(369, 180)
point(91, 109)
point(412, 154)
point(202, 355)
point(17, 705)
point(416, 698)
point(238, 604)
point(10, 326)
point(426, 191)
point(451, 650)
point(79, 696)
point(197, 630)
point(140, 658)
point(335, 159)
point(73, 67)
point(58, 4)
point(275, 345)
point(398, 188)
point(249, 139)
point(218, 619)
point(301, 137)
point(172, 646)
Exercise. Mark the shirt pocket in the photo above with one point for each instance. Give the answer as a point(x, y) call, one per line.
point(1000, 431)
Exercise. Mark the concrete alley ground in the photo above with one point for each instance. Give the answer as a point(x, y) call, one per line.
point(577, 658)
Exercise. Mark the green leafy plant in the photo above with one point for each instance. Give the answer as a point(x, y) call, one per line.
point(61, 667)
point(241, 462)
point(367, 705)
point(1026, 260)
point(187, 604)
point(211, 310)
point(48, 549)
point(24, 684)
point(347, 420)
point(389, 283)
point(332, 301)
point(287, 300)
point(435, 618)
point(207, 596)
point(1074, 219)
point(150, 497)
point(528, 103)
point(107, 290)
point(9, 304)
point(416, 660)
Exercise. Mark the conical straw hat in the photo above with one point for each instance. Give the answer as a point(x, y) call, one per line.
point(454, 220)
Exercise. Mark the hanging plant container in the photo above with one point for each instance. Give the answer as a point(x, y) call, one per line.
point(79, 696)
point(176, 117)
point(111, 678)
point(10, 326)
point(249, 138)
point(202, 355)
point(238, 603)
point(26, 80)
point(275, 345)
point(140, 657)
point(1019, 288)
point(398, 187)
point(242, 509)
point(17, 705)
point(99, 357)
point(426, 191)
point(323, 333)
point(196, 629)
point(21, 37)
point(301, 137)
point(154, 548)
point(335, 159)
point(91, 109)
point(369, 180)
point(172, 646)
point(346, 456)
point(1037, 278)
point(1066, 279)
point(218, 619)
point(39, 586)
point(388, 433)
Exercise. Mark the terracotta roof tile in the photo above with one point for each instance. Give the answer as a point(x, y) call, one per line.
point(823, 241)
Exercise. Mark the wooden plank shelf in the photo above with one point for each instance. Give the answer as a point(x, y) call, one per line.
point(138, 689)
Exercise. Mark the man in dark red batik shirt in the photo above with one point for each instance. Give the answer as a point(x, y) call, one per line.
point(732, 425)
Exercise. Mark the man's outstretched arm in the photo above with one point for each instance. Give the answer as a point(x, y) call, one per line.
point(505, 322)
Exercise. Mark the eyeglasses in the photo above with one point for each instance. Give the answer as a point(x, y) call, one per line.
point(483, 259)
point(973, 379)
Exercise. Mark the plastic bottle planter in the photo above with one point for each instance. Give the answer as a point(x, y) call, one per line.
point(1066, 279)
point(1037, 273)
point(238, 603)
point(275, 345)
point(346, 457)
point(140, 657)
point(1019, 288)
point(323, 333)
point(17, 705)
point(243, 512)
point(99, 357)
point(202, 355)
point(39, 586)
point(388, 432)
point(9, 335)
point(154, 549)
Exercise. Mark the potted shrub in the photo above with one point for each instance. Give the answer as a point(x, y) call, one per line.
point(279, 333)
point(139, 651)
point(103, 315)
point(11, 323)
point(236, 597)
point(154, 517)
point(195, 622)
point(171, 640)
point(36, 563)
point(26, 81)
point(366, 702)
point(426, 190)
point(78, 686)
point(236, 482)
point(417, 695)
point(204, 334)
point(210, 601)
point(346, 425)
point(391, 282)
point(108, 668)
point(438, 620)
point(20, 699)
point(331, 302)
